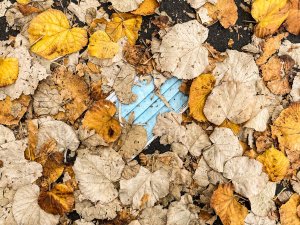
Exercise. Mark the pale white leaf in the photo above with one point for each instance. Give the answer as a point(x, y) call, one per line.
point(252, 219)
point(154, 215)
point(126, 5)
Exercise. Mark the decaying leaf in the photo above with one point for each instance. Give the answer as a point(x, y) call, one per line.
point(276, 164)
point(225, 146)
point(26, 210)
point(294, 15)
point(100, 118)
point(54, 167)
point(246, 175)
point(288, 211)
point(200, 89)
point(180, 52)
point(263, 204)
point(101, 46)
point(227, 207)
point(124, 25)
point(59, 200)
point(63, 95)
point(145, 189)
point(96, 175)
point(154, 215)
point(286, 129)
point(51, 37)
point(13, 110)
point(270, 15)
point(126, 5)
point(180, 212)
point(32, 140)
point(9, 70)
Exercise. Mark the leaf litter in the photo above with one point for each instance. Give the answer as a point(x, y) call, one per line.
point(65, 149)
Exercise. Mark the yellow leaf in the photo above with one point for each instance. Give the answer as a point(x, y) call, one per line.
point(23, 2)
point(101, 46)
point(200, 89)
point(147, 7)
point(269, 14)
point(100, 118)
point(232, 126)
point(124, 24)
point(51, 36)
point(59, 200)
point(288, 211)
point(292, 23)
point(9, 70)
point(287, 129)
point(276, 164)
point(11, 111)
point(230, 211)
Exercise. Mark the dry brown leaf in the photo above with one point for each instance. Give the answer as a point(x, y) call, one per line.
point(28, 9)
point(59, 200)
point(269, 47)
point(32, 140)
point(288, 211)
point(54, 167)
point(292, 23)
point(146, 8)
point(227, 207)
point(13, 110)
point(200, 89)
point(227, 12)
point(139, 57)
point(100, 118)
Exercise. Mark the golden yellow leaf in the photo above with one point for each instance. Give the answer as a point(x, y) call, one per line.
point(147, 7)
point(101, 46)
point(23, 2)
point(59, 200)
point(51, 36)
point(199, 91)
point(292, 23)
point(276, 164)
point(232, 126)
point(11, 111)
point(287, 129)
point(269, 14)
point(230, 211)
point(124, 24)
point(32, 141)
point(9, 70)
point(288, 211)
point(100, 118)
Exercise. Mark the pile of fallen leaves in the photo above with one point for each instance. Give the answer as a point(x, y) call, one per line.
point(67, 156)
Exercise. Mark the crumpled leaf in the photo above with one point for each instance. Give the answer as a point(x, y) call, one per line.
point(181, 52)
point(230, 100)
point(59, 200)
point(294, 14)
point(263, 204)
point(252, 219)
point(225, 146)
point(270, 15)
point(96, 175)
point(146, 8)
point(276, 164)
point(246, 175)
point(51, 36)
point(200, 89)
point(26, 210)
point(126, 5)
point(100, 118)
point(13, 110)
point(286, 128)
point(145, 189)
point(62, 95)
point(101, 46)
point(63, 134)
point(180, 212)
point(227, 207)
point(124, 25)
point(288, 211)
point(31, 71)
point(9, 70)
